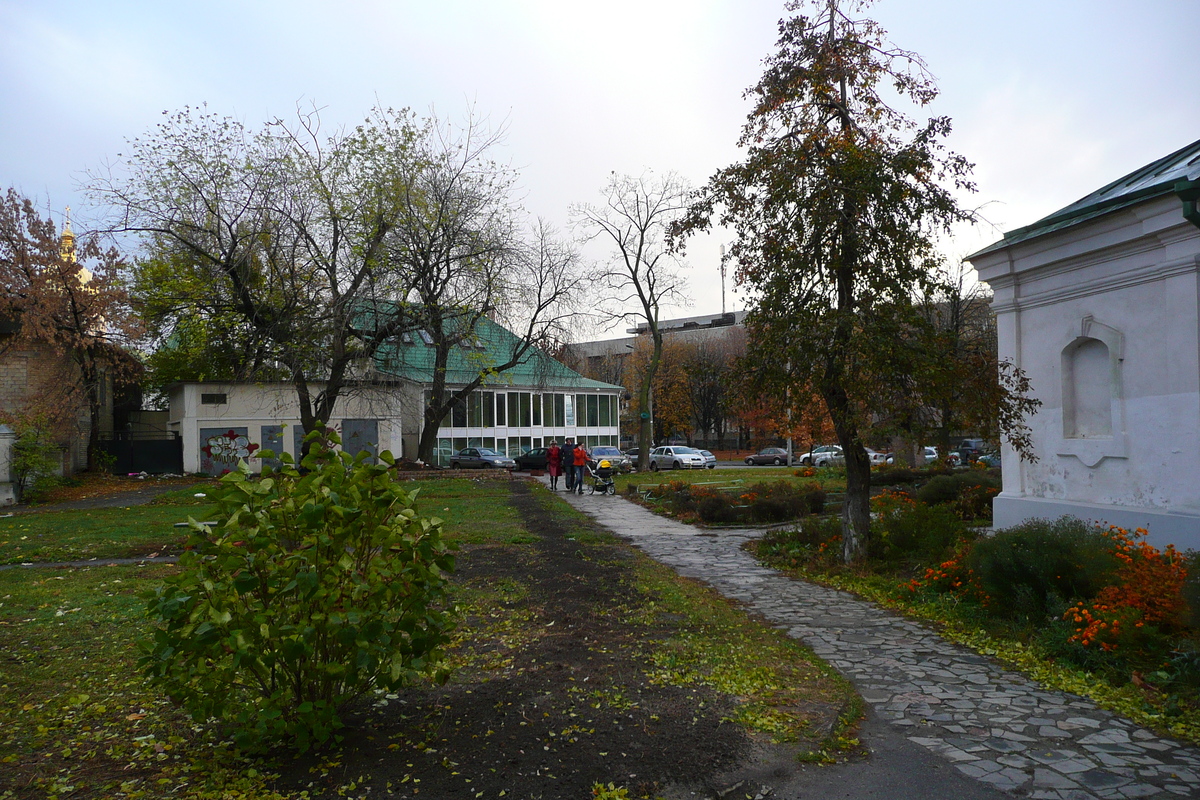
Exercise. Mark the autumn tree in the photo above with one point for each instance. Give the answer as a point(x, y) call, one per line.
point(836, 206)
point(643, 273)
point(289, 252)
point(64, 300)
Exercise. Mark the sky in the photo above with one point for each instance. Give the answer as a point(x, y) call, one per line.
point(1050, 99)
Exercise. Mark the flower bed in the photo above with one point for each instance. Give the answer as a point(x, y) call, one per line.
point(778, 501)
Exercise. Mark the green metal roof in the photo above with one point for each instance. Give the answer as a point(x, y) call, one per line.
point(1153, 180)
point(495, 344)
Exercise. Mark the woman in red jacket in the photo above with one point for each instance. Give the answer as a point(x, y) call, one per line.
point(553, 465)
point(579, 465)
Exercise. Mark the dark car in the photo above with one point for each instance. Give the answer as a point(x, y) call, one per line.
point(480, 458)
point(619, 460)
point(768, 455)
point(533, 459)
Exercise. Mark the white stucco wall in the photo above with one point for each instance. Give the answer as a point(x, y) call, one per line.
point(253, 406)
point(7, 437)
point(1128, 279)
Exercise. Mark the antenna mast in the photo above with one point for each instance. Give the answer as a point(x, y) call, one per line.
point(722, 280)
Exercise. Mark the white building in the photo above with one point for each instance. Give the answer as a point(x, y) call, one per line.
point(514, 411)
point(1099, 304)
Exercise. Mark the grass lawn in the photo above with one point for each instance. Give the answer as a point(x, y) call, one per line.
point(80, 722)
point(830, 480)
point(101, 532)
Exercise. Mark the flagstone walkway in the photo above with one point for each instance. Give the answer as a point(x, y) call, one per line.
point(993, 725)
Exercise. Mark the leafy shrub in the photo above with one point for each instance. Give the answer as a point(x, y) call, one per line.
point(888, 475)
point(310, 591)
point(717, 509)
point(1191, 591)
point(941, 489)
point(33, 460)
point(770, 509)
point(975, 502)
point(1144, 599)
point(1026, 569)
point(816, 539)
point(919, 530)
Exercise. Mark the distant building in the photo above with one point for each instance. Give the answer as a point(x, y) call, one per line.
point(1099, 303)
point(516, 410)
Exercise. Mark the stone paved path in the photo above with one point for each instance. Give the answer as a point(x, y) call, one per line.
point(993, 725)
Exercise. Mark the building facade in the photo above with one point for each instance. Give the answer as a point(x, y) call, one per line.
point(1099, 304)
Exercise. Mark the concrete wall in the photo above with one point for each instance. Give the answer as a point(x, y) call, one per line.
point(1104, 317)
point(253, 406)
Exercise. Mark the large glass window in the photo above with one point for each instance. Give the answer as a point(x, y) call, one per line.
point(593, 410)
point(489, 410)
point(537, 409)
point(458, 414)
point(526, 410)
point(568, 409)
point(500, 409)
point(560, 411)
point(514, 409)
point(475, 410)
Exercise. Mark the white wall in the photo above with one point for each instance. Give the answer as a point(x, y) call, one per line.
point(253, 406)
point(1129, 280)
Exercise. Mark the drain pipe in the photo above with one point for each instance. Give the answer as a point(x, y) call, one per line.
point(1189, 193)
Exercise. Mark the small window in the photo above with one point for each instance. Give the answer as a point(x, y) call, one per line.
point(216, 399)
point(425, 337)
point(406, 337)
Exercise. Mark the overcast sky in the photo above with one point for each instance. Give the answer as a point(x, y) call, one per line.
point(1050, 99)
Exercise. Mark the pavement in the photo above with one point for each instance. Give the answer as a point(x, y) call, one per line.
point(944, 721)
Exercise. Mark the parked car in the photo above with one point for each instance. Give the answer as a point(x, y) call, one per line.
point(989, 459)
point(480, 458)
point(930, 455)
point(619, 460)
point(675, 457)
point(710, 460)
point(768, 455)
point(533, 459)
point(876, 457)
point(823, 456)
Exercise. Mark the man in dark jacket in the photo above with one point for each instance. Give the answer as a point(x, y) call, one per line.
point(567, 461)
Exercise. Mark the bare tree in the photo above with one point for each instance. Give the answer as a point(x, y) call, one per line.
point(643, 273)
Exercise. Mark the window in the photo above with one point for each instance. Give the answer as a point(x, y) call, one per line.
point(500, 410)
point(514, 409)
point(569, 409)
point(458, 414)
point(425, 337)
point(526, 411)
point(560, 412)
point(406, 337)
point(217, 399)
point(537, 409)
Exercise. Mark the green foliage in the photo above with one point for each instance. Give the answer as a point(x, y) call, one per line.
point(919, 530)
point(1191, 590)
point(1030, 570)
point(311, 590)
point(33, 460)
point(942, 489)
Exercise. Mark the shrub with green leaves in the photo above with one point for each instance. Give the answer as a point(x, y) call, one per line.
point(919, 530)
point(1035, 567)
point(310, 591)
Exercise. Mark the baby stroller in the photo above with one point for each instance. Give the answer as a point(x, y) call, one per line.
point(602, 478)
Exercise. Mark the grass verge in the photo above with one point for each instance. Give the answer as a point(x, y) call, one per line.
point(80, 722)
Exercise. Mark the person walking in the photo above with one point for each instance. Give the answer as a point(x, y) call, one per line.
point(566, 463)
point(580, 464)
point(553, 464)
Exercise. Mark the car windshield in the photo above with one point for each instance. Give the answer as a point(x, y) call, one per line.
point(486, 452)
point(605, 451)
point(683, 451)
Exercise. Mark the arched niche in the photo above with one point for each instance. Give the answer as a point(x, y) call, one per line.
point(1093, 423)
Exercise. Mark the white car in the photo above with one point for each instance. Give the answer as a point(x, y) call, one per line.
point(676, 457)
point(823, 456)
point(930, 453)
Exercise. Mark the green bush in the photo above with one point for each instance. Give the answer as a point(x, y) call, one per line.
point(815, 539)
point(770, 509)
point(310, 591)
point(922, 531)
point(717, 509)
point(940, 489)
point(1032, 568)
point(33, 460)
